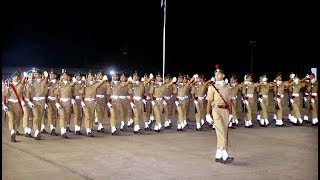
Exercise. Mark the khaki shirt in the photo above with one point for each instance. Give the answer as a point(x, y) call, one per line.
point(90, 90)
point(199, 90)
point(64, 90)
point(52, 87)
point(137, 89)
point(77, 88)
point(158, 90)
point(9, 93)
point(114, 89)
point(38, 88)
point(181, 90)
point(215, 98)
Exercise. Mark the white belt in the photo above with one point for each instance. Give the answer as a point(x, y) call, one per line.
point(77, 97)
point(166, 97)
point(148, 97)
point(181, 97)
point(314, 94)
point(100, 96)
point(186, 96)
point(13, 100)
point(249, 95)
point(89, 99)
point(265, 96)
point(128, 97)
point(26, 99)
point(306, 94)
point(114, 97)
point(159, 99)
point(38, 98)
point(201, 97)
point(295, 94)
point(235, 97)
point(64, 99)
point(52, 98)
point(122, 97)
point(281, 95)
point(137, 98)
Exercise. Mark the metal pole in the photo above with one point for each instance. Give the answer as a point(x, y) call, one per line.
point(251, 60)
point(164, 41)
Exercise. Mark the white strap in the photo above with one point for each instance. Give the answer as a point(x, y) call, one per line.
point(100, 96)
point(38, 98)
point(52, 98)
point(13, 100)
point(64, 99)
point(89, 99)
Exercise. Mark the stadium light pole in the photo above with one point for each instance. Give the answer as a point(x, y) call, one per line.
point(252, 45)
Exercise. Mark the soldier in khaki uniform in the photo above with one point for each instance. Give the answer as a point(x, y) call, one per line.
point(101, 97)
point(63, 95)
point(168, 97)
point(181, 95)
point(138, 103)
point(278, 91)
point(77, 108)
point(313, 92)
point(37, 94)
point(219, 105)
point(290, 117)
point(12, 103)
point(247, 94)
point(235, 89)
point(148, 104)
point(27, 113)
point(198, 92)
point(52, 111)
point(125, 101)
point(88, 101)
point(159, 105)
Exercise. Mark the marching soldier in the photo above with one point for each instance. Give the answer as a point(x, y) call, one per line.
point(88, 100)
point(52, 111)
point(159, 105)
point(13, 94)
point(198, 93)
point(27, 113)
point(278, 91)
point(181, 97)
point(313, 92)
point(123, 97)
point(37, 94)
point(101, 100)
point(76, 101)
point(247, 93)
point(235, 88)
point(290, 117)
point(168, 97)
point(149, 109)
point(64, 97)
point(219, 105)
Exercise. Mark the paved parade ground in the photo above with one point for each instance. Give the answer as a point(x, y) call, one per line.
point(289, 152)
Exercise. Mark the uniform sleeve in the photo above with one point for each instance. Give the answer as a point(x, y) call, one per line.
point(151, 89)
point(210, 94)
point(192, 89)
point(174, 89)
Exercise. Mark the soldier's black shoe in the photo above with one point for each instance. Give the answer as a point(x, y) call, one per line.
point(282, 125)
point(232, 127)
point(64, 136)
point(101, 130)
point(13, 137)
point(96, 123)
point(147, 129)
point(198, 129)
point(137, 132)
point(228, 160)
point(68, 129)
point(53, 132)
point(28, 135)
point(90, 134)
point(114, 133)
point(78, 133)
point(316, 124)
point(179, 129)
point(44, 131)
point(37, 137)
point(157, 130)
point(17, 133)
point(218, 159)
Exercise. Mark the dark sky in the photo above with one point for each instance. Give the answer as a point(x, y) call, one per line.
point(129, 34)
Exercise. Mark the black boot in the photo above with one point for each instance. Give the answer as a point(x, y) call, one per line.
point(13, 137)
point(53, 132)
point(64, 136)
point(68, 129)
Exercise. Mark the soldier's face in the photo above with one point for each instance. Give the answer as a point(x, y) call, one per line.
point(114, 78)
point(219, 76)
point(64, 77)
point(15, 78)
point(167, 80)
point(90, 78)
point(53, 76)
point(135, 78)
point(123, 78)
point(159, 79)
point(99, 76)
point(37, 75)
point(180, 80)
point(78, 78)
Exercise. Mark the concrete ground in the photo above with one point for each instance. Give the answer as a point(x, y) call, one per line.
point(289, 152)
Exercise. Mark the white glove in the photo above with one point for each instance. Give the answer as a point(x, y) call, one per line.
point(312, 100)
point(230, 117)
point(226, 81)
point(73, 102)
point(260, 99)
point(142, 79)
point(164, 103)
point(23, 103)
point(45, 73)
point(307, 76)
point(45, 106)
point(195, 76)
point(132, 105)
point(83, 104)
point(213, 79)
point(292, 76)
point(174, 79)
point(31, 104)
point(105, 78)
point(209, 119)
point(291, 100)
point(151, 76)
point(25, 74)
point(245, 82)
point(144, 101)
point(74, 79)
point(109, 105)
point(83, 78)
point(153, 103)
point(58, 106)
point(246, 102)
point(177, 103)
point(130, 79)
point(196, 102)
point(5, 108)
point(278, 100)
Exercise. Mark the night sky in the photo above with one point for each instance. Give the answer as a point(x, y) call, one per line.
point(128, 34)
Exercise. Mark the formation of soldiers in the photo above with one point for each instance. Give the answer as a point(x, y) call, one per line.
point(41, 100)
